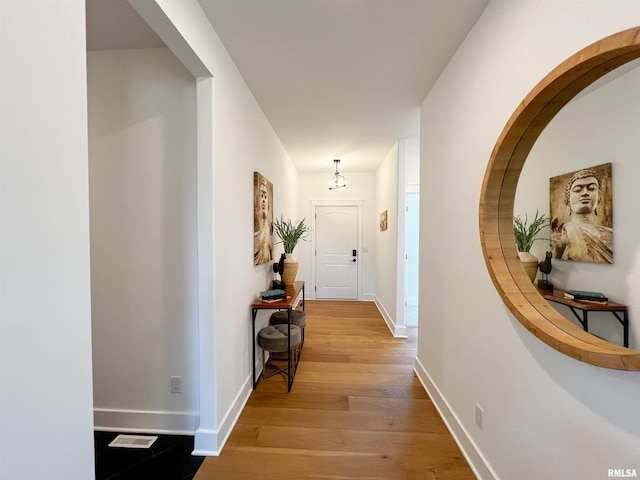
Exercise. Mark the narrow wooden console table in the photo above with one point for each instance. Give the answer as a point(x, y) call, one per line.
point(616, 309)
point(293, 292)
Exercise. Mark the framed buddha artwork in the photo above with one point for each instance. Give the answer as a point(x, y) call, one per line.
point(581, 215)
point(262, 219)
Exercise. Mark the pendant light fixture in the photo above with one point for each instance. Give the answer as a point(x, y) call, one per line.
point(337, 181)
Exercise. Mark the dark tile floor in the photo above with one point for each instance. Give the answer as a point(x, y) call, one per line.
point(169, 458)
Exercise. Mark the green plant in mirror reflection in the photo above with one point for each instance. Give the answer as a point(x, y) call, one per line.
point(525, 233)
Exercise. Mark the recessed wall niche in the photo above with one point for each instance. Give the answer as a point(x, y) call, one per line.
point(498, 193)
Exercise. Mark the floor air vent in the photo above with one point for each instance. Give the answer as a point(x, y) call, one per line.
point(133, 441)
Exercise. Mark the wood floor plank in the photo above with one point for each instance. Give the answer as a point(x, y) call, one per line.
point(420, 467)
point(414, 390)
point(363, 420)
point(361, 441)
point(310, 356)
point(321, 401)
point(403, 359)
point(356, 410)
point(354, 368)
point(354, 378)
point(288, 464)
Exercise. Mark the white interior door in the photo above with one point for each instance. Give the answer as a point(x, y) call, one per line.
point(337, 256)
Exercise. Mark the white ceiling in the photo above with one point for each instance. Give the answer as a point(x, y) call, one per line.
point(335, 78)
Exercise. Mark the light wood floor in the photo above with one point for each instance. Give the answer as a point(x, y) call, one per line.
point(355, 411)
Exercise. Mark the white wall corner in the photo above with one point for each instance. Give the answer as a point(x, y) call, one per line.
point(399, 331)
point(206, 443)
point(163, 22)
point(209, 442)
point(470, 450)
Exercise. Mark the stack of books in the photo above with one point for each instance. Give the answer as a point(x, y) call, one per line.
point(586, 296)
point(273, 295)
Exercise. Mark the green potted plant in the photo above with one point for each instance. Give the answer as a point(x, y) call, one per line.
point(525, 234)
point(290, 234)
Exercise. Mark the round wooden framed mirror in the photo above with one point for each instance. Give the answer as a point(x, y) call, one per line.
point(498, 192)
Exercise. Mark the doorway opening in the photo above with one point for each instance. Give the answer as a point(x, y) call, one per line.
point(412, 258)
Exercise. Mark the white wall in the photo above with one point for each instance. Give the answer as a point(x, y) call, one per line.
point(599, 127)
point(45, 317)
point(243, 142)
point(142, 159)
point(360, 187)
point(412, 174)
point(546, 415)
point(387, 240)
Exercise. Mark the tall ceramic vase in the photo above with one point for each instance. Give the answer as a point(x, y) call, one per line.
point(290, 269)
point(530, 264)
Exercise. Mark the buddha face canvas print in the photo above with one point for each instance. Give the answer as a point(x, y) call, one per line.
point(262, 219)
point(581, 214)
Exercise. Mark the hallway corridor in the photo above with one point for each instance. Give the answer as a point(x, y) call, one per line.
point(356, 410)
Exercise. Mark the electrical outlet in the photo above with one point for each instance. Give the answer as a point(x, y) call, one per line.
point(176, 384)
point(479, 416)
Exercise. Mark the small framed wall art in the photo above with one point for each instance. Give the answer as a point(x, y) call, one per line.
point(383, 221)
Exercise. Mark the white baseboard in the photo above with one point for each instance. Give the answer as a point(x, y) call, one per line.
point(365, 297)
point(206, 443)
point(144, 421)
point(476, 460)
point(209, 442)
point(396, 330)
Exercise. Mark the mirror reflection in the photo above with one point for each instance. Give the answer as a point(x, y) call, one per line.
point(593, 243)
